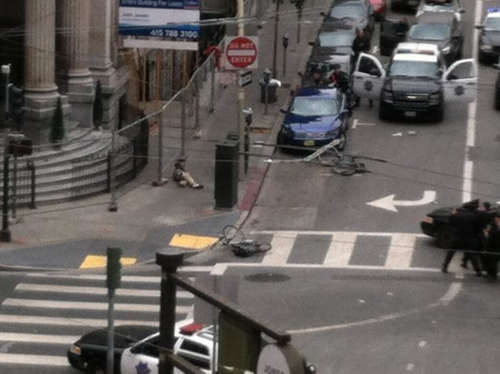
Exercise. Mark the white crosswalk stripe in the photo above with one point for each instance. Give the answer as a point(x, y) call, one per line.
point(342, 245)
point(54, 310)
point(340, 249)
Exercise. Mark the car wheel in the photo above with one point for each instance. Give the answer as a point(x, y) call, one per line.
point(280, 142)
point(383, 113)
point(446, 237)
point(439, 115)
point(497, 99)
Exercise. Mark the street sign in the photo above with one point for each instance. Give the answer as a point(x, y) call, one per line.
point(245, 78)
point(241, 52)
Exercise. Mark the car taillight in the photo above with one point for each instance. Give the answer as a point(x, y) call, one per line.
point(75, 350)
point(428, 219)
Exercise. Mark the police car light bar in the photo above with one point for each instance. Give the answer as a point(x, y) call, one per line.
point(493, 10)
point(191, 328)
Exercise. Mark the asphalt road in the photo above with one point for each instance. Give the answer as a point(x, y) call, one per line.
point(357, 285)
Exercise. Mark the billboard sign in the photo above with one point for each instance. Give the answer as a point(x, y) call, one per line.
point(167, 19)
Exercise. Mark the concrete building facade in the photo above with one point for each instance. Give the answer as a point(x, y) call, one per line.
point(60, 49)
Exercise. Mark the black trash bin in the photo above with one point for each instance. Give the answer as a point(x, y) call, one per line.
point(272, 91)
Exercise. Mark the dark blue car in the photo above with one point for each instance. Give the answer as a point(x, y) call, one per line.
point(315, 117)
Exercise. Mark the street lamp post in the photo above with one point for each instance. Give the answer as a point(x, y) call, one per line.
point(5, 232)
point(275, 44)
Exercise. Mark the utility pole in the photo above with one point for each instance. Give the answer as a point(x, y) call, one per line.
point(241, 89)
point(275, 44)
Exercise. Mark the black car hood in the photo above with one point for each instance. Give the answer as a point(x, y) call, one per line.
point(412, 85)
point(125, 336)
point(441, 212)
point(492, 37)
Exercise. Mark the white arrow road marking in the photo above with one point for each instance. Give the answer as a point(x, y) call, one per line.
point(389, 203)
point(356, 123)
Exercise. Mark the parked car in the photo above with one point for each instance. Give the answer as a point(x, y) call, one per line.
point(88, 353)
point(332, 43)
point(489, 37)
point(441, 6)
point(315, 117)
point(441, 29)
point(437, 225)
point(416, 82)
point(354, 13)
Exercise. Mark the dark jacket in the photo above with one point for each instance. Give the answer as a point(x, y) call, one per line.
point(466, 224)
point(360, 44)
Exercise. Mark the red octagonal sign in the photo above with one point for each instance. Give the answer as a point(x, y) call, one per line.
point(241, 52)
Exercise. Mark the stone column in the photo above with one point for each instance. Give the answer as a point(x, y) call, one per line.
point(75, 25)
point(101, 63)
point(39, 68)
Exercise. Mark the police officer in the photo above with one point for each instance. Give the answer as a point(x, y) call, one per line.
point(341, 80)
point(492, 248)
point(466, 224)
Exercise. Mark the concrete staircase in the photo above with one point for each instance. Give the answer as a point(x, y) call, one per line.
point(76, 170)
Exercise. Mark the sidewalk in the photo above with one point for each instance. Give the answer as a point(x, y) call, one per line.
point(61, 236)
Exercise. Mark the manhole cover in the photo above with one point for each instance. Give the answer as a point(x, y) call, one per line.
point(267, 277)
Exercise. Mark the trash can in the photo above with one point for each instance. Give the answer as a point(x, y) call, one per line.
point(272, 93)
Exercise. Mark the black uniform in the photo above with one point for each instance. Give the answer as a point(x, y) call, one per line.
point(492, 255)
point(466, 223)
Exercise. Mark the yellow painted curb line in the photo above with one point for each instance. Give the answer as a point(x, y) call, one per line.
point(192, 241)
point(93, 261)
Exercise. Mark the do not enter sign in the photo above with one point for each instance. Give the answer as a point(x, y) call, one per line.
point(241, 52)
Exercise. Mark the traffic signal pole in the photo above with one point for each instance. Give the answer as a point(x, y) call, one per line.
point(113, 268)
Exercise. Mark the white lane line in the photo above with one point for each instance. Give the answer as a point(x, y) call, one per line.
point(340, 250)
point(55, 304)
point(56, 321)
point(95, 290)
point(450, 294)
point(37, 338)
point(281, 247)
point(400, 251)
point(126, 278)
point(323, 266)
point(359, 233)
point(468, 172)
point(30, 360)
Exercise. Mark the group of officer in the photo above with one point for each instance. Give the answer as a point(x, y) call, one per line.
point(478, 228)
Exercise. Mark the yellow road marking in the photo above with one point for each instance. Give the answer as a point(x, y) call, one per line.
point(92, 261)
point(192, 241)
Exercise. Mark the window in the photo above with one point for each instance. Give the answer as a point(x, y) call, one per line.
point(188, 345)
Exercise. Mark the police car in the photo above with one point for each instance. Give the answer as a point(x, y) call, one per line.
point(416, 82)
point(193, 341)
point(489, 38)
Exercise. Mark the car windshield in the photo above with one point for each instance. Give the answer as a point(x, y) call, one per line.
point(336, 39)
point(418, 69)
point(314, 106)
point(492, 23)
point(430, 31)
point(351, 11)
